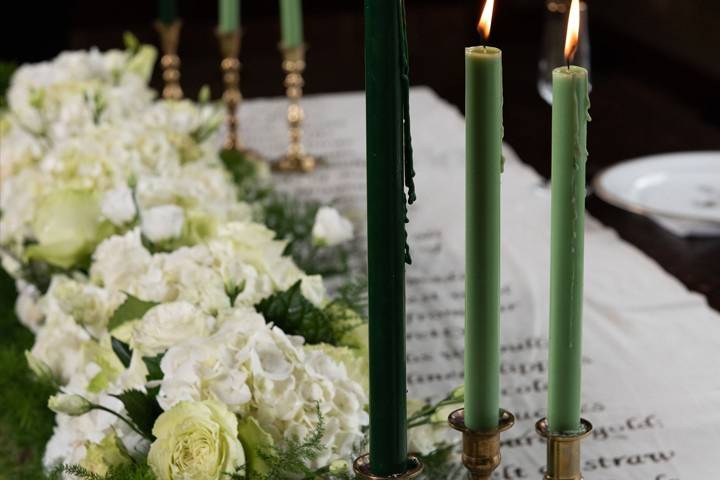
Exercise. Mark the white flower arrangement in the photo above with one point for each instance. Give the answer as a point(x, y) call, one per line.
point(162, 291)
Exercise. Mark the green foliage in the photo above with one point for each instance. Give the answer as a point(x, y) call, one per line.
point(142, 408)
point(292, 220)
point(442, 463)
point(122, 350)
point(131, 309)
point(6, 72)
point(133, 471)
point(25, 421)
point(295, 315)
point(244, 172)
point(289, 460)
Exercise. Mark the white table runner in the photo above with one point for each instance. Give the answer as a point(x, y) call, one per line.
point(652, 349)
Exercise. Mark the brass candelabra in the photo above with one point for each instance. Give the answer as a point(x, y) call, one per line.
point(481, 450)
point(295, 159)
point(361, 467)
point(170, 62)
point(563, 451)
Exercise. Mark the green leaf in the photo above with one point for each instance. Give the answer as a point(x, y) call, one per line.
point(131, 309)
point(153, 366)
point(122, 350)
point(142, 408)
point(254, 441)
point(242, 169)
point(295, 315)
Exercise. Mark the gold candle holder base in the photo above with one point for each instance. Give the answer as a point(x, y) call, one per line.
point(481, 450)
point(361, 467)
point(295, 159)
point(563, 451)
point(170, 62)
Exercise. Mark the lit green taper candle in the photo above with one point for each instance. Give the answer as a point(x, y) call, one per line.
point(569, 155)
point(291, 23)
point(228, 16)
point(483, 160)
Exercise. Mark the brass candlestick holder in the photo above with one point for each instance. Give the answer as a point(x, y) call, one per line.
point(563, 451)
point(295, 159)
point(481, 450)
point(170, 62)
point(230, 66)
point(361, 467)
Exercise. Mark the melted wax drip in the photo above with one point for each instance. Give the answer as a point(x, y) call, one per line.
point(409, 169)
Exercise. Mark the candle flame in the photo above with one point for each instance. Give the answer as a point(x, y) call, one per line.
point(573, 31)
point(483, 26)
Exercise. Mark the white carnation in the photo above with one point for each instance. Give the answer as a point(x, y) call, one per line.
point(27, 306)
point(331, 228)
point(118, 205)
point(163, 223)
point(119, 260)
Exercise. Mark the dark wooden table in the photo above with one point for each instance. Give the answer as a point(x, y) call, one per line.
point(643, 101)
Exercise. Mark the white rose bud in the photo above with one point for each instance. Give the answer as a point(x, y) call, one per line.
point(70, 404)
point(40, 369)
point(331, 228)
point(163, 223)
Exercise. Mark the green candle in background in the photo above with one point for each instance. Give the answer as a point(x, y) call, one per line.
point(167, 11)
point(483, 143)
point(228, 16)
point(291, 23)
point(569, 155)
point(386, 236)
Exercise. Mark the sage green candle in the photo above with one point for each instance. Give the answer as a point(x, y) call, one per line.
point(569, 154)
point(167, 11)
point(483, 163)
point(291, 23)
point(228, 16)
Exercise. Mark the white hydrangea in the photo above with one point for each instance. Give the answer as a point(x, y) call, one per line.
point(258, 370)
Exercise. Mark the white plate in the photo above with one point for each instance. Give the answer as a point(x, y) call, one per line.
point(680, 190)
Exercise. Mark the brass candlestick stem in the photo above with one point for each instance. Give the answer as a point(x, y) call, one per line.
point(563, 451)
point(230, 66)
point(295, 159)
point(170, 62)
point(361, 467)
point(481, 450)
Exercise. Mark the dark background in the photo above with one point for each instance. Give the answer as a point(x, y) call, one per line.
point(656, 76)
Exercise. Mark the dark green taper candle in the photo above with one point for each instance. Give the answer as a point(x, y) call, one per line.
point(386, 237)
point(569, 154)
point(167, 11)
point(483, 143)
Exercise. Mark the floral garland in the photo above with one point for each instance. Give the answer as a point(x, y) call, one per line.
point(180, 336)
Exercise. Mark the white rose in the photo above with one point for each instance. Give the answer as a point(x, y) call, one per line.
point(118, 205)
point(331, 228)
point(169, 324)
point(163, 223)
